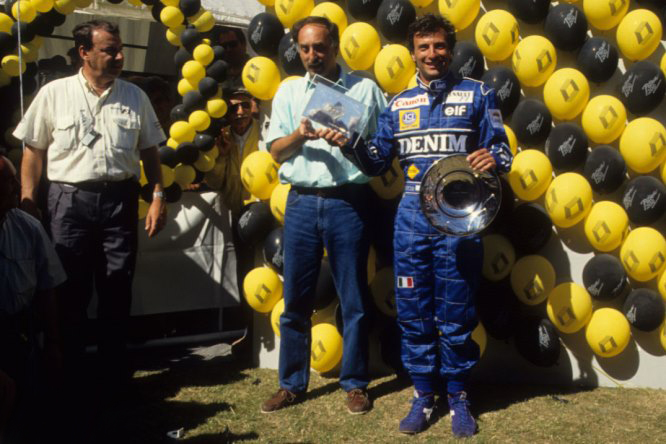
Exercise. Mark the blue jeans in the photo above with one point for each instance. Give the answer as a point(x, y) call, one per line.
point(339, 225)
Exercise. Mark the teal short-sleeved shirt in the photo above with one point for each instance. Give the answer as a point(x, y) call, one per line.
point(319, 164)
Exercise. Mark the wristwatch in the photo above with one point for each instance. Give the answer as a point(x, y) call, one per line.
point(158, 195)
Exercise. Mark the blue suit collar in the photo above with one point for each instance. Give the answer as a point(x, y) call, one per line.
point(438, 85)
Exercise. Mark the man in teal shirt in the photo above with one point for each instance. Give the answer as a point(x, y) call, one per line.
point(326, 208)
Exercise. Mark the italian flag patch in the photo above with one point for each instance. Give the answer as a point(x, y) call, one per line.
point(405, 282)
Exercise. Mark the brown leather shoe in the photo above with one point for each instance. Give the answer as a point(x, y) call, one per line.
point(358, 401)
point(282, 398)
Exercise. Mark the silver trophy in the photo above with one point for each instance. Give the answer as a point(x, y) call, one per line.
point(457, 200)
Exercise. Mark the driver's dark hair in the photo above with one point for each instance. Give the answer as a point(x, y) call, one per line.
point(332, 28)
point(83, 32)
point(430, 24)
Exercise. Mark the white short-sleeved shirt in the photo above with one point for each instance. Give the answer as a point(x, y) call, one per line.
point(61, 116)
point(28, 262)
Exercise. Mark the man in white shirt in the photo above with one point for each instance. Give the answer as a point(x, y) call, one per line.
point(91, 130)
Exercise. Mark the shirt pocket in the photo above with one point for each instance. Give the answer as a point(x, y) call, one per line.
point(124, 131)
point(65, 132)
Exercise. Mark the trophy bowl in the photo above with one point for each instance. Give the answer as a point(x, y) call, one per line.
point(457, 200)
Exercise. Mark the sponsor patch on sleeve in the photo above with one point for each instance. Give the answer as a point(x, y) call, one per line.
point(409, 119)
point(405, 282)
point(495, 117)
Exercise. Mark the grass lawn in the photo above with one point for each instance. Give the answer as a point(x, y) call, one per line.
point(217, 401)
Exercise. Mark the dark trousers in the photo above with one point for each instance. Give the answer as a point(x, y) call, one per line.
point(94, 230)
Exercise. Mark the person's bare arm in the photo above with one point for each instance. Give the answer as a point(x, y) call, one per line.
point(32, 166)
point(285, 147)
point(156, 216)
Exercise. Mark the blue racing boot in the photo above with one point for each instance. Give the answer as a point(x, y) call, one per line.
point(417, 419)
point(462, 421)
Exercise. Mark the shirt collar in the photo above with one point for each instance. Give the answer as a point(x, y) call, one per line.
point(89, 87)
point(342, 78)
point(435, 86)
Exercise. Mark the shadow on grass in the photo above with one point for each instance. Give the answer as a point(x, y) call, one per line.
point(221, 438)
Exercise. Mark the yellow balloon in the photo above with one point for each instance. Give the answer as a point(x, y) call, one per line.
point(182, 131)
point(142, 176)
point(566, 93)
point(278, 201)
point(359, 45)
point(171, 16)
point(532, 279)
point(291, 11)
point(136, 3)
point(65, 6)
point(172, 143)
point(30, 52)
point(11, 65)
point(412, 82)
point(568, 199)
point(332, 12)
point(42, 5)
point(461, 13)
point(262, 288)
point(661, 285)
point(662, 64)
point(143, 209)
point(480, 337)
point(393, 68)
point(203, 54)
point(216, 108)
point(569, 307)
point(530, 175)
point(606, 226)
point(534, 60)
point(497, 34)
point(604, 119)
point(205, 22)
point(662, 335)
point(170, 2)
point(213, 152)
point(289, 79)
point(662, 172)
point(199, 119)
point(608, 332)
point(498, 257)
point(204, 163)
point(6, 23)
point(382, 289)
point(639, 34)
point(605, 14)
point(277, 311)
point(643, 253)
point(167, 175)
point(421, 3)
point(26, 9)
point(390, 184)
point(193, 71)
point(185, 86)
point(173, 35)
point(513, 142)
point(643, 144)
point(184, 175)
point(326, 348)
point(261, 77)
point(259, 174)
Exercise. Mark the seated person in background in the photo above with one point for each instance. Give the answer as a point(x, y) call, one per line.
point(29, 270)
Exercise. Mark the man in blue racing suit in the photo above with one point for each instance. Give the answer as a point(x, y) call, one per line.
point(436, 275)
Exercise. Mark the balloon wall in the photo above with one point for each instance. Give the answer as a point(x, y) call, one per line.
point(581, 87)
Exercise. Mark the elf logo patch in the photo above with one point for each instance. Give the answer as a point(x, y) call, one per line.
point(405, 282)
point(457, 110)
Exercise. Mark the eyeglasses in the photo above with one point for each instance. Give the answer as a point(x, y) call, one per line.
point(234, 106)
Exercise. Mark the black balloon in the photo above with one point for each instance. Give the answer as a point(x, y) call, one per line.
point(7, 43)
point(597, 59)
point(394, 18)
point(605, 169)
point(193, 100)
point(529, 11)
point(178, 112)
point(642, 87)
point(363, 10)
point(181, 57)
point(537, 341)
point(325, 289)
point(218, 52)
point(467, 60)
point(214, 128)
point(168, 156)
point(289, 59)
point(505, 209)
point(604, 277)
point(41, 25)
point(217, 70)
point(497, 307)
point(506, 86)
point(254, 223)
point(264, 34)
point(204, 142)
point(208, 87)
point(187, 153)
point(156, 10)
point(644, 200)
point(189, 7)
point(190, 38)
point(644, 309)
point(274, 250)
point(531, 121)
point(529, 228)
point(566, 27)
point(115, 2)
point(54, 18)
point(566, 146)
point(173, 193)
point(27, 32)
point(149, 2)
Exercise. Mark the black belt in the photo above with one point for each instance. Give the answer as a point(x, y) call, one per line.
point(101, 186)
point(346, 191)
